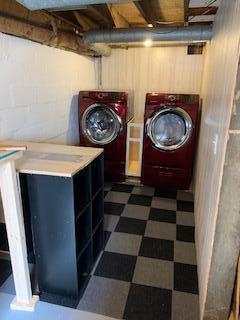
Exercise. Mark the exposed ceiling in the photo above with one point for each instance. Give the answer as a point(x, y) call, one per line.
point(146, 12)
point(64, 27)
point(127, 14)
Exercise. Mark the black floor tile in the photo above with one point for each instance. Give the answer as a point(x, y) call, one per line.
point(59, 300)
point(140, 200)
point(185, 206)
point(116, 266)
point(185, 278)
point(185, 233)
point(106, 237)
point(113, 208)
point(122, 188)
point(5, 270)
point(162, 215)
point(171, 194)
point(129, 225)
point(157, 248)
point(148, 303)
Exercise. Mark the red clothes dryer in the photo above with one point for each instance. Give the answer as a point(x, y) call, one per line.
point(103, 118)
point(170, 133)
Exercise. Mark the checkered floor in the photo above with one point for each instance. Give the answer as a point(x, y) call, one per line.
point(148, 268)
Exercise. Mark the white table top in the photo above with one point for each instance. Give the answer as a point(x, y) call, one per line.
point(53, 159)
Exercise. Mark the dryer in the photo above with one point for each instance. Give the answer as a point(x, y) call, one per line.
point(170, 134)
point(103, 118)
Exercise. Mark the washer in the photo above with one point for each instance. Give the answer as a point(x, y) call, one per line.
point(171, 123)
point(103, 118)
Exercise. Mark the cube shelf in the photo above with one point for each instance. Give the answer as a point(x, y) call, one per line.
point(97, 174)
point(65, 216)
point(84, 265)
point(97, 208)
point(82, 189)
point(83, 229)
point(98, 241)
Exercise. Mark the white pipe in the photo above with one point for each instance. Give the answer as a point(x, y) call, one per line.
point(101, 49)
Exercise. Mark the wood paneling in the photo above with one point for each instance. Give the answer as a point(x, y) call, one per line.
point(152, 69)
point(218, 91)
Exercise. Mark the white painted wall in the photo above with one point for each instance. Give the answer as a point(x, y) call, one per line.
point(165, 69)
point(218, 91)
point(38, 91)
point(38, 88)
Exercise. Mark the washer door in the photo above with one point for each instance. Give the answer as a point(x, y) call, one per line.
point(170, 128)
point(101, 124)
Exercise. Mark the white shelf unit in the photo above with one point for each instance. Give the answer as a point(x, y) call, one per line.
point(134, 148)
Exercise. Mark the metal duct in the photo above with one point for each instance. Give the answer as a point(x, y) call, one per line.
point(62, 4)
point(190, 33)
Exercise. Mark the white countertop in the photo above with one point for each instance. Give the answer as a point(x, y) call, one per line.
point(53, 159)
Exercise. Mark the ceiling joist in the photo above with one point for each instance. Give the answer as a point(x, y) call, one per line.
point(101, 13)
point(85, 22)
point(202, 11)
point(149, 10)
point(158, 12)
point(41, 27)
point(64, 29)
point(119, 20)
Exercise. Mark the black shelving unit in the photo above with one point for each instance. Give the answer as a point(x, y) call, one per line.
point(66, 219)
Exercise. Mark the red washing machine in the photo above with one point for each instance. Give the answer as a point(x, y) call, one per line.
point(170, 134)
point(103, 118)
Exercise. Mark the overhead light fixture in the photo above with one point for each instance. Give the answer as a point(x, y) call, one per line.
point(148, 43)
point(150, 25)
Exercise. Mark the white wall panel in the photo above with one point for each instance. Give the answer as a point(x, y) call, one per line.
point(218, 90)
point(165, 69)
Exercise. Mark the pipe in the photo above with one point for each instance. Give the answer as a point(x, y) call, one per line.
point(101, 49)
point(62, 4)
point(190, 33)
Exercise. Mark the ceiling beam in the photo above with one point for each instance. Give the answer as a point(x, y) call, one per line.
point(202, 18)
point(162, 11)
point(186, 8)
point(84, 21)
point(102, 13)
point(142, 12)
point(202, 11)
point(119, 20)
point(64, 16)
point(149, 10)
point(21, 27)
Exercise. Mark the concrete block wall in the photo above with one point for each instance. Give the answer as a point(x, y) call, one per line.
point(38, 91)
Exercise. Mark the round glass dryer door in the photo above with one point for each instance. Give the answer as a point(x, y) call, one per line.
point(169, 128)
point(101, 124)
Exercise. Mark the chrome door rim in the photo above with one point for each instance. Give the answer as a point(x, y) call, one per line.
point(188, 125)
point(117, 121)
